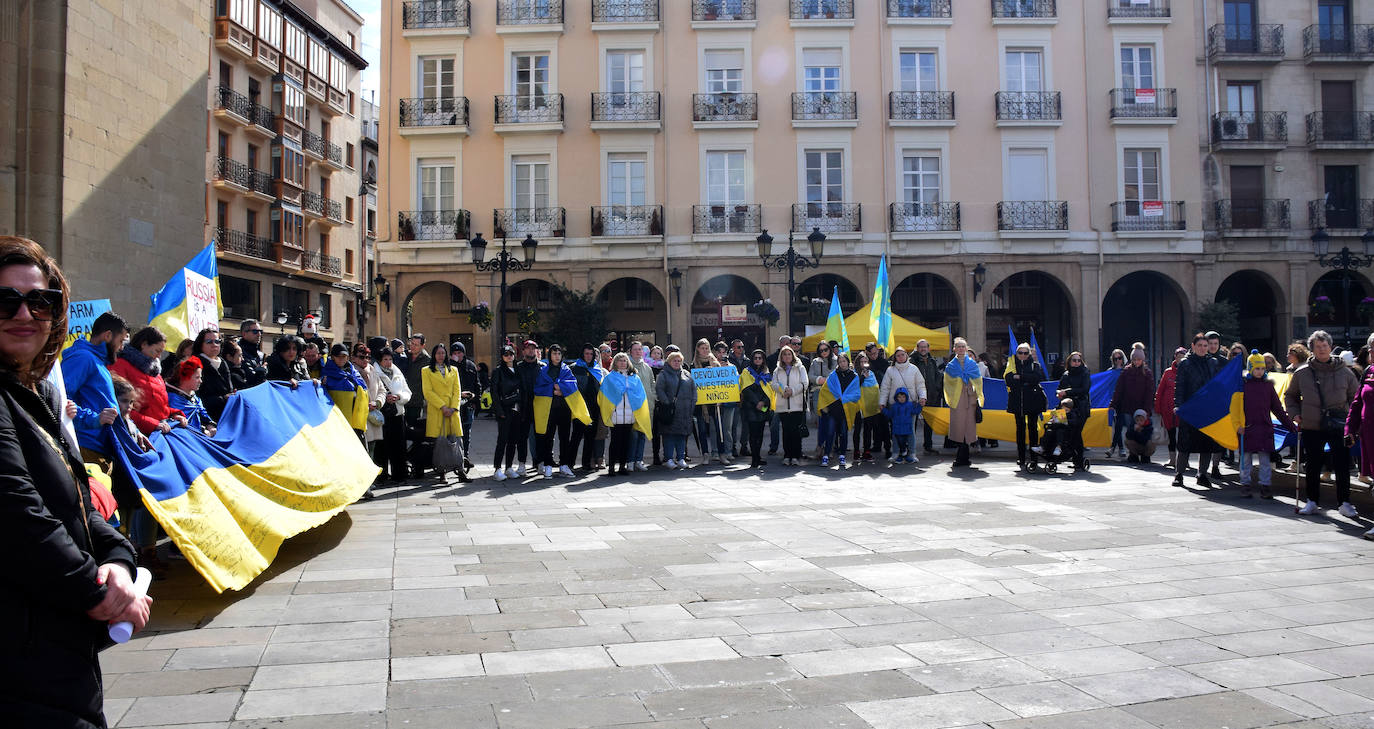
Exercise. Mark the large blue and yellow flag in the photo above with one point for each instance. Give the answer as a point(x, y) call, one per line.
point(614, 386)
point(1218, 409)
point(848, 396)
point(835, 330)
point(880, 312)
point(747, 378)
point(543, 397)
point(190, 300)
point(998, 424)
point(282, 461)
point(868, 396)
point(595, 368)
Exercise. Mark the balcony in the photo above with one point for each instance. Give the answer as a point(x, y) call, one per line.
point(1250, 130)
point(322, 149)
point(239, 243)
point(825, 109)
point(1028, 109)
point(264, 123)
point(429, 225)
point(1033, 216)
point(529, 16)
point(318, 262)
point(231, 174)
point(920, 108)
point(830, 217)
point(539, 222)
point(726, 219)
point(725, 110)
point(446, 115)
point(1245, 43)
point(923, 217)
point(1039, 12)
point(1252, 217)
point(631, 110)
point(231, 105)
point(1138, 11)
point(261, 185)
point(708, 14)
point(1350, 217)
point(625, 14)
point(436, 17)
point(1338, 44)
point(1148, 216)
point(1340, 130)
point(920, 12)
point(313, 205)
point(627, 221)
point(525, 113)
point(824, 13)
point(233, 38)
point(1144, 106)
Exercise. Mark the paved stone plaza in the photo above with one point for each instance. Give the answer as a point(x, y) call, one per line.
point(906, 599)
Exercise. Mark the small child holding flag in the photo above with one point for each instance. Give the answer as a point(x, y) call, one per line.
point(1257, 439)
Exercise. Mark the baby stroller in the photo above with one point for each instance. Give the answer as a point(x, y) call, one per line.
point(1054, 450)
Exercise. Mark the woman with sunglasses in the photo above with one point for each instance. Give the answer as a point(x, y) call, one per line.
point(507, 393)
point(822, 365)
point(70, 573)
point(1123, 421)
point(217, 382)
point(963, 386)
point(1076, 384)
point(1025, 399)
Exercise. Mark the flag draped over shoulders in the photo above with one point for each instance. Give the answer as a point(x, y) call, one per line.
point(848, 396)
point(615, 386)
point(957, 372)
point(868, 396)
point(544, 397)
point(765, 378)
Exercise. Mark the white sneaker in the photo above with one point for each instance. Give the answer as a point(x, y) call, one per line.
point(670, 464)
point(1349, 511)
point(565, 471)
point(1309, 508)
point(1369, 534)
point(1037, 450)
point(547, 471)
point(512, 473)
point(895, 458)
point(1058, 451)
point(500, 475)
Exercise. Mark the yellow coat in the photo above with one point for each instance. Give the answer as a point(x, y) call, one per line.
point(441, 390)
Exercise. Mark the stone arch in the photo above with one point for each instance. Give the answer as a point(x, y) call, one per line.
point(439, 309)
point(1031, 300)
point(1259, 301)
point(636, 309)
point(708, 316)
point(1347, 325)
point(928, 299)
point(811, 303)
point(1148, 307)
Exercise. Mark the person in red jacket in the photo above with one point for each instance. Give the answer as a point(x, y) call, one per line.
point(1164, 402)
point(140, 362)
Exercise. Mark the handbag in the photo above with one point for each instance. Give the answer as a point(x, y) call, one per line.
point(377, 417)
point(1333, 420)
point(448, 451)
point(804, 430)
point(666, 411)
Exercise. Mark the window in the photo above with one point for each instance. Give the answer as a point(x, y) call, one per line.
point(530, 176)
point(348, 154)
point(1023, 71)
point(292, 302)
point(916, 71)
point(252, 156)
point(372, 222)
point(921, 178)
point(1138, 67)
point(319, 59)
point(824, 184)
point(1027, 174)
point(436, 78)
point(295, 44)
point(288, 100)
point(221, 214)
point(269, 26)
point(226, 75)
point(222, 144)
point(240, 11)
point(348, 209)
point(1141, 168)
point(821, 70)
point(351, 105)
point(240, 297)
point(338, 73)
point(625, 179)
point(1333, 25)
point(288, 227)
point(288, 165)
point(250, 222)
point(324, 243)
point(352, 40)
point(624, 71)
point(531, 79)
point(326, 310)
point(1242, 97)
point(254, 91)
point(436, 186)
point(725, 178)
point(724, 71)
point(348, 261)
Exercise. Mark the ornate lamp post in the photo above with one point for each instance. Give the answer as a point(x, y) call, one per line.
point(503, 261)
point(1345, 261)
point(790, 260)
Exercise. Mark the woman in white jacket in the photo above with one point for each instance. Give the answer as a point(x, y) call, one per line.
point(902, 374)
point(387, 387)
point(790, 382)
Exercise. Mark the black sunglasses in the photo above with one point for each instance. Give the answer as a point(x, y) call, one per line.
point(252, 331)
point(43, 303)
point(214, 341)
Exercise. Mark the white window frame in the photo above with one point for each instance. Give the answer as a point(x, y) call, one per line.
point(824, 203)
point(437, 165)
point(935, 83)
point(1133, 81)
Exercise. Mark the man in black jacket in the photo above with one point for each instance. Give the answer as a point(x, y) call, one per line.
point(585, 371)
point(1194, 371)
point(250, 341)
point(415, 409)
point(935, 392)
point(528, 369)
point(470, 385)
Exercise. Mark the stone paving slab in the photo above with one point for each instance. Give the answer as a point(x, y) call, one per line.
point(738, 599)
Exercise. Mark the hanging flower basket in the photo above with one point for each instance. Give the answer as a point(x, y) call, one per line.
point(767, 311)
point(1321, 306)
point(1365, 309)
point(529, 320)
point(480, 316)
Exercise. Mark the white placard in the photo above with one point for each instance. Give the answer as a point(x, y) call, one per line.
point(202, 304)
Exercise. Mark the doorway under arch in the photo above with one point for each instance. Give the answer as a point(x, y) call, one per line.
point(713, 321)
point(1256, 298)
point(1146, 307)
point(439, 310)
point(1032, 301)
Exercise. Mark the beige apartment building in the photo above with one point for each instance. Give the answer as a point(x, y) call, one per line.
point(1022, 163)
point(284, 201)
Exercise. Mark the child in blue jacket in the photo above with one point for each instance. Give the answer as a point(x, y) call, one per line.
point(901, 414)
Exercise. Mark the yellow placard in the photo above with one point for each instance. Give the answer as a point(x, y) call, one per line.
point(716, 385)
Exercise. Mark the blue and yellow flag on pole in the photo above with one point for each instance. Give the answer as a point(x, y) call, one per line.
point(880, 312)
point(282, 461)
point(614, 386)
point(543, 397)
point(190, 300)
point(1218, 409)
point(834, 324)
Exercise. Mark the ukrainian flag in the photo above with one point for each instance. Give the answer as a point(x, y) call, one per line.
point(595, 368)
point(834, 324)
point(614, 386)
point(746, 378)
point(880, 312)
point(850, 396)
point(168, 310)
point(1218, 409)
point(868, 397)
point(543, 398)
point(282, 461)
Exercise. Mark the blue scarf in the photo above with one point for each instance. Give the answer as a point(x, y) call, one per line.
point(967, 371)
point(763, 378)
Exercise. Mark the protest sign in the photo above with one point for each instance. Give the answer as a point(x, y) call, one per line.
point(716, 385)
point(80, 316)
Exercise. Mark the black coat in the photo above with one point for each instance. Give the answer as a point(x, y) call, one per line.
point(467, 377)
point(749, 399)
point(1078, 383)
point(279, 370)
point(507, 392)
point(1193, 373)
point(930, 370)
point(1025, 396)
point(589, 388)
point(529, 374)
point(215, 386)
point(54, 540)
point(417, 388)
point(254, 364)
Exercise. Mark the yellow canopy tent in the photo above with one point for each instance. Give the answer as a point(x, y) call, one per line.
point(907, 334)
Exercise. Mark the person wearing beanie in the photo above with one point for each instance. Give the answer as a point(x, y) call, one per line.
point(1164, 402)
point(1139, 437)
point(1135, 390)
point(1260, 400)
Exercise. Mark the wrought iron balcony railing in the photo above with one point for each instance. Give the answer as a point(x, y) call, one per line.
point(528, 109)
point(1142, 216)
point(625, 11)
point(830, 217)
point(919, 9)
point(727, 106)
point(313, 203)
point(233, 102)
point(321, 147)
point(514, 222)
point(723, 10)
point(238, 242)
point(709, 219)
point(1032, 215)
point(449, 111)
point(625, 106)
point(626, 220)
point(260, 181)
point(825, 105)
point(1024, 9)
point(923, 217)
point(1242, 127)
point(1350, 127)
point(1028, 106)
point(333, 209)
point(529, 12)
point(1138, 9)
point(434, 14)
point(1245, 40)
point(412, 225)
point(920, 105)
point(234, 172)
point(1337, 42)
point(262, 116)
point(1341, 214)
point(1240, 215)
point(1144, 103)
point(320, 263)
point(821, 9)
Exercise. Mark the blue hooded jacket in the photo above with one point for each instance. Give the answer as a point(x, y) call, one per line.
point(902, 414)
point(86, 373)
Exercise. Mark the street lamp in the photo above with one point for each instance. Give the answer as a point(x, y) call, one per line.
point(675, 280)
point(980, 277)
point(503, 261)
point(1345, 262)
point(382, 289)
point(790, 260)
